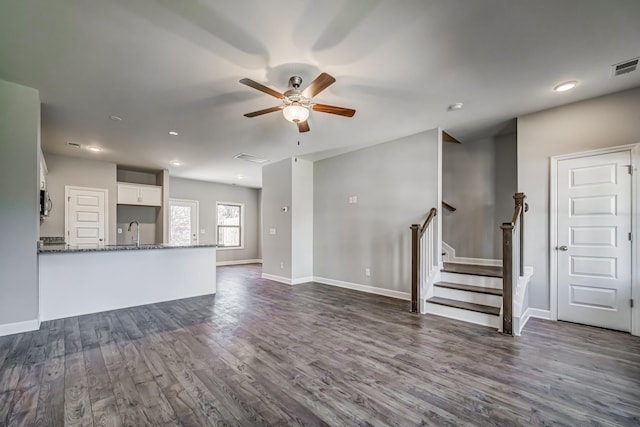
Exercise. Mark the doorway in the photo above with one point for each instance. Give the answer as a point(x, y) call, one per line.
point(85, 216)
point(183, 222)
point(593, 250)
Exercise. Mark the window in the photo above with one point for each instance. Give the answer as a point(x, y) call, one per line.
point(230, 225)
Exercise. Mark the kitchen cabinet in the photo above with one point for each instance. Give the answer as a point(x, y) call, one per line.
point(139, 194)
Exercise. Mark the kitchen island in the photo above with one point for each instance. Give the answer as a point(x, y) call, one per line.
point(76, 280)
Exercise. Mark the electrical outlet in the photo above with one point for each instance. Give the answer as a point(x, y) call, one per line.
point(281, 264)
point(367, 272)
point(119, 230)
point(272, 231)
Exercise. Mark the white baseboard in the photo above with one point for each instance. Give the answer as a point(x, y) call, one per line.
point(363, 288)
point(19, 327)
point(239, 262)
point(275, 278)
point(522, 322)
point(301, 280)
point(278, 279)
point(286, 280)
point(539, 314)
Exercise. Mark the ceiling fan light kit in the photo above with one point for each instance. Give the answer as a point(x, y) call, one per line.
point(296, 103)
point(295, 113)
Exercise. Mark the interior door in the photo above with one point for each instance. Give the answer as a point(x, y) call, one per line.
point(85, 216)
point(594, 246)
point(183, 222)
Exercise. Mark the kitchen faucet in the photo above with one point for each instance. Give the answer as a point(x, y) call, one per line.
point(137, 231)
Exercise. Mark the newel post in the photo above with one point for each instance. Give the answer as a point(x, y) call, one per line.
point(519, 198)
point(507, 278)
point(415, 266)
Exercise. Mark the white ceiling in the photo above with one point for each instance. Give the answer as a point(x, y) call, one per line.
point(166, 65)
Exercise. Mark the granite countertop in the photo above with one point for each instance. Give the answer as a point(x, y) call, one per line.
point(46, 249)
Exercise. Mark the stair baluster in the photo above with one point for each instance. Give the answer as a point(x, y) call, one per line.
point(423, 257)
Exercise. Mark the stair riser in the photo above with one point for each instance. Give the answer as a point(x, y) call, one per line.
point(464, 315)
point(468, 279)
point(475, 297)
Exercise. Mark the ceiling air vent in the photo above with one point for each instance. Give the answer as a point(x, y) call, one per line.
point(624, 67)
point(250, 158)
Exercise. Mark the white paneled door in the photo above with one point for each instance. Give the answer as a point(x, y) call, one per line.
point(593, 235)
point(183, 222)
point(86, 218)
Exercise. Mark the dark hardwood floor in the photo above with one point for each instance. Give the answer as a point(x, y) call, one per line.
point(263, 353)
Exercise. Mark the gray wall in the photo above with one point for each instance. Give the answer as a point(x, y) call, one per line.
point(301, 219)
point(597, 123)
point(468, 185)
point(276, 193)
point(479, 180)
point(19, 146)
point(396, 184)
point(146, 217)
point(207, 194)
point(79, 172)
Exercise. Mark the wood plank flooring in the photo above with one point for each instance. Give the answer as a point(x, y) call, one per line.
point(263, 353)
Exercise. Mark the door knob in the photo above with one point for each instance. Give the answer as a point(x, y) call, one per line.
point(563, 248)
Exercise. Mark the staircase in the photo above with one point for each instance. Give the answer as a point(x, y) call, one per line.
point(468, 292)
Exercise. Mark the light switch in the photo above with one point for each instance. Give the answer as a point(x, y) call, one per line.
point(272, 231)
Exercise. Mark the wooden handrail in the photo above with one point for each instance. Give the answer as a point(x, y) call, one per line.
point(516, 215)
point(517, 223)
point(432, 213)
point(417, 231)
point(448, 206)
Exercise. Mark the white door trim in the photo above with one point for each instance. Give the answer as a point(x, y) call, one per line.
point(67, 190)
point(635, 209)
point(197, 203)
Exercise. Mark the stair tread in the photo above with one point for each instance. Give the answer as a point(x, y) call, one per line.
point(465, 305)
point(470, 288)
point(477, 270)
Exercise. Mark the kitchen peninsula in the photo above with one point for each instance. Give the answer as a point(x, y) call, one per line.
point(76, 281)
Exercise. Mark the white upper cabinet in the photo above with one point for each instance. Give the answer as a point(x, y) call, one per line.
point(139, 194)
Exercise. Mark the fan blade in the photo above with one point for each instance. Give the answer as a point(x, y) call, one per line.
point(321, 82)
point(265, 111)
point(303, 126)
point(261, 88)
point(322, 108)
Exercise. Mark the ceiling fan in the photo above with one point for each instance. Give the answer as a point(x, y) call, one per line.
point(297, 103)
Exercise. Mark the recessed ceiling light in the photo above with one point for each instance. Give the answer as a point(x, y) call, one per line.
point(173, 133)
point(116, 118)
point(240, 177)
point(94, 149)
point(565, 86)
point(176, 163)
point(455, 107)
